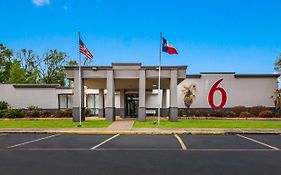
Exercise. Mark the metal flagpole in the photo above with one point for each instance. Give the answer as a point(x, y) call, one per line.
point(80, 94)
point(159, 78)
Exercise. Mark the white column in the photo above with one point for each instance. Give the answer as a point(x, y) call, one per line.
point(101, 103)
point(173, 95)
point(76, 98)
point(142, 89)
point(110, 97)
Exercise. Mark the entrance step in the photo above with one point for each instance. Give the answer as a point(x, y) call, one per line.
point(121, 125)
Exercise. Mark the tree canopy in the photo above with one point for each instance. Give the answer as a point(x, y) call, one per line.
point(26, 67)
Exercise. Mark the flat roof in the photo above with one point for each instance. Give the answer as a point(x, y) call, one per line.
point(125, 65)
point(235, 75)
point(36, 85)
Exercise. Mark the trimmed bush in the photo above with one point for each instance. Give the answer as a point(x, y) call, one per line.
point(217, 113)
point(181, 112)
point(266, 114)
point(87, 112)
point(3, 105)
point(31, 113)
point(68, 112)
point(44, 114)
point(245, 114)
point(200, 114)
point(238, 109)
point(256, 110)
point(230, 114)
point(60, 114)
point(11, 113)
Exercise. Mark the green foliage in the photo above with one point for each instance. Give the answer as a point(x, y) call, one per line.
point(87, 112)
point(68, 112)
point(3, 105)
point(51, 68)
point(26, 67)
point(17, 73)
point(11, 113)
point(277, 64)
point(230, 114)
point(30, 64)
point(245, 114)
point(72, 63)
point(5, 63)
point(201, 114)
point(217, 113)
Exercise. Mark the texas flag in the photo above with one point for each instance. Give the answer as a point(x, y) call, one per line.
point(166, 47)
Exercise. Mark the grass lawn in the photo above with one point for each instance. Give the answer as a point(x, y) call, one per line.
point(67, 123)
point(209, 124)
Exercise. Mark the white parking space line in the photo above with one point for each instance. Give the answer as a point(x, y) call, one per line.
point(183, 146)
point(256, 141)
point(107, 140)
point(32, 141)
point(2, 135)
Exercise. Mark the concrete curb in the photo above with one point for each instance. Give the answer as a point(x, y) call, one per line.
point(144, 131)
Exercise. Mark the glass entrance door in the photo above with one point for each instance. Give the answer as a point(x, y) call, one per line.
point(132, 105)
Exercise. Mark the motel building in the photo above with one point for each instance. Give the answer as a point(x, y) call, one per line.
point(130, 90)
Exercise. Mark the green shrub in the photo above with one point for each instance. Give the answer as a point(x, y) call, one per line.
point(181, 112)
point(245, 114)
point(11, 113)
point(230, 114)
point(266, 114)
point(2, 113)
point(200, 114)
point(3, 105)
point(87, 112)
point(217, 113)
point(256, 110)
point(31, 113)
point(68, 112)
point(44, 114)
point(60, 114)
point(238, 109)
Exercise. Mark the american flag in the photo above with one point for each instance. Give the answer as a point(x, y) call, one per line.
point(83, 49)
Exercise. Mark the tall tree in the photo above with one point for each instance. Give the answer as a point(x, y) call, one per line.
point(17, 73)
point(5, 63)
point(70, 63)
point(51, 67)
point(30, 63)
point(278, 64)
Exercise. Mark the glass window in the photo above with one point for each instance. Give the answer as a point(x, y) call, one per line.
point(63, 101)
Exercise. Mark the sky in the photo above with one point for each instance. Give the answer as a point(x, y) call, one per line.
point(242, 36)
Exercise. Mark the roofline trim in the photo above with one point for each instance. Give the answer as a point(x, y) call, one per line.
point(36, 85)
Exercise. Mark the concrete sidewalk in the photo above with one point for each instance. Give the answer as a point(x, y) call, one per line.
point(121, 125)
point(141, 131)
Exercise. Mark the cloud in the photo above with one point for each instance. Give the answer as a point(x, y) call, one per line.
point(41, 2)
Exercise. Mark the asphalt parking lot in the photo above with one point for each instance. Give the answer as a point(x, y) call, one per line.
point(140, 154)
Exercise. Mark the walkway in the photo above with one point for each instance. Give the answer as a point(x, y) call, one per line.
point(121, 125)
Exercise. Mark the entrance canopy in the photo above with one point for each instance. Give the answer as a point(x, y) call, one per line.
point(126, 76)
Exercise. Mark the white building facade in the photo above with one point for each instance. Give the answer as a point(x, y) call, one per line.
point(130, 90)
